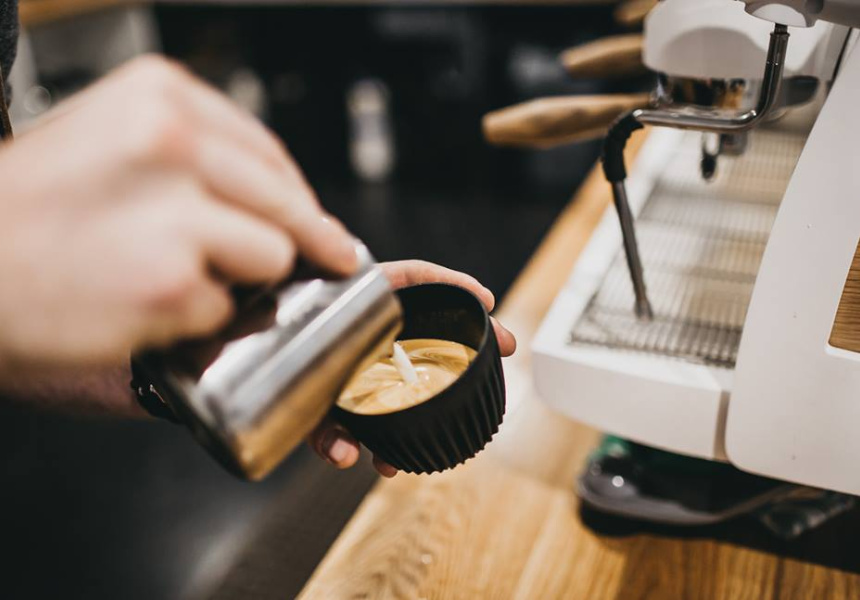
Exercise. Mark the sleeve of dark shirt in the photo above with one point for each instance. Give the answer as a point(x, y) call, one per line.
point(8, 37)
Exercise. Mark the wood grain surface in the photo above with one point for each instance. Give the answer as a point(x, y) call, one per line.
point(506, 525)
point(549, 122)
point(38, 12)
point(632, 13)
point(846, 327)
point(33, 13)
point(609, 57)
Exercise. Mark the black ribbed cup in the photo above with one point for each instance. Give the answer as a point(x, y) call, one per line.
point(457, 423)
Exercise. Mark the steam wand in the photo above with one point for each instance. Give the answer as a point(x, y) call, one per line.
point(681, 117)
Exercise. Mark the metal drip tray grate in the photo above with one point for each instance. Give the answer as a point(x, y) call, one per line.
point(701, 245)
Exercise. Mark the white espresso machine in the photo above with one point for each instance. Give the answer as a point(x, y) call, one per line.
point(722, 319)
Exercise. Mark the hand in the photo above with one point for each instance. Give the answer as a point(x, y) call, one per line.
point(131, 208)
point(329, 439)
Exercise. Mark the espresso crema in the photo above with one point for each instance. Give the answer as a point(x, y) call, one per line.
point(381, 388)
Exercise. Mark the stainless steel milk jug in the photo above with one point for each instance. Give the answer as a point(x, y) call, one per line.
point(253, 392)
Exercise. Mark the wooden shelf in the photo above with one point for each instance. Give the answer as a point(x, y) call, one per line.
point(38, 12)
point(393, 2)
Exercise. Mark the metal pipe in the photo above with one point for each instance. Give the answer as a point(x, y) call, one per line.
point(716, 121)
point(701, 119)
point(631, 251)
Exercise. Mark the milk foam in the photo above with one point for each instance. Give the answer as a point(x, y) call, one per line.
point(380, 389)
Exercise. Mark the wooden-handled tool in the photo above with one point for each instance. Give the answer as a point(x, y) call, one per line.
point(613, 56)
point(632, 13)
point(548, 122)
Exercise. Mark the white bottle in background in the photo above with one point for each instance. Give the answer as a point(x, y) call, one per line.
point(371, 142)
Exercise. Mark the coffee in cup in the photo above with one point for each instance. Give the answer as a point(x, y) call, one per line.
point(381, 388)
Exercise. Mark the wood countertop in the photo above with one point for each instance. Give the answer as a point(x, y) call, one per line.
point(506, 525)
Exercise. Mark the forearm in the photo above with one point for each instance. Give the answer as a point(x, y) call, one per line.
point(90, 391)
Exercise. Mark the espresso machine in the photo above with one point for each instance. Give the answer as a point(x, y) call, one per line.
point(720, 320)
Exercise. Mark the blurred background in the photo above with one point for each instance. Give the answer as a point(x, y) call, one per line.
point(381, 105)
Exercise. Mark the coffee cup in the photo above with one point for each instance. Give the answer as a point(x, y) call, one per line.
point(435, 429)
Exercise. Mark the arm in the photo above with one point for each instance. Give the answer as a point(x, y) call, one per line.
point(93, 391)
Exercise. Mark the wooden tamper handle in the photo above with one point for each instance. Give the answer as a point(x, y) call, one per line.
point(613, 56)
point(548, 122)
point(632, 13)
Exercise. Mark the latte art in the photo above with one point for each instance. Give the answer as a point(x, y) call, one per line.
point(381, 389)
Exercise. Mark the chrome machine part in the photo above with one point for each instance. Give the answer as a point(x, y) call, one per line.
point(715, 145)
point(685, 117)
point(719, 121)
point(631, 251)
point(730, 94)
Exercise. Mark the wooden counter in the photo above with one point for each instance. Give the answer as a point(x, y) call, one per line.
point(506, 525)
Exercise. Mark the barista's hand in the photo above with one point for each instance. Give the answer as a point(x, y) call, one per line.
point(331, 441)
point(130, 208)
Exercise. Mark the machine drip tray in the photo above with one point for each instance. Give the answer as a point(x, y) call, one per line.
point(701, 245)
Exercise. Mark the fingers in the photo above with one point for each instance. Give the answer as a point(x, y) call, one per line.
point(506, 339)
point(196, 306)
point(186, 124)
point(334, 445)
point(209, 307)
point(215, 111)
point(339, 448)
point(383, 468)
point(219, 246)
point(244, 180)
point(414, 272)
point(242, 248)
point(252, 168)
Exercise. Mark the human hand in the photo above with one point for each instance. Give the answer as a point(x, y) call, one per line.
point(333, 443)
point(130, 209)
